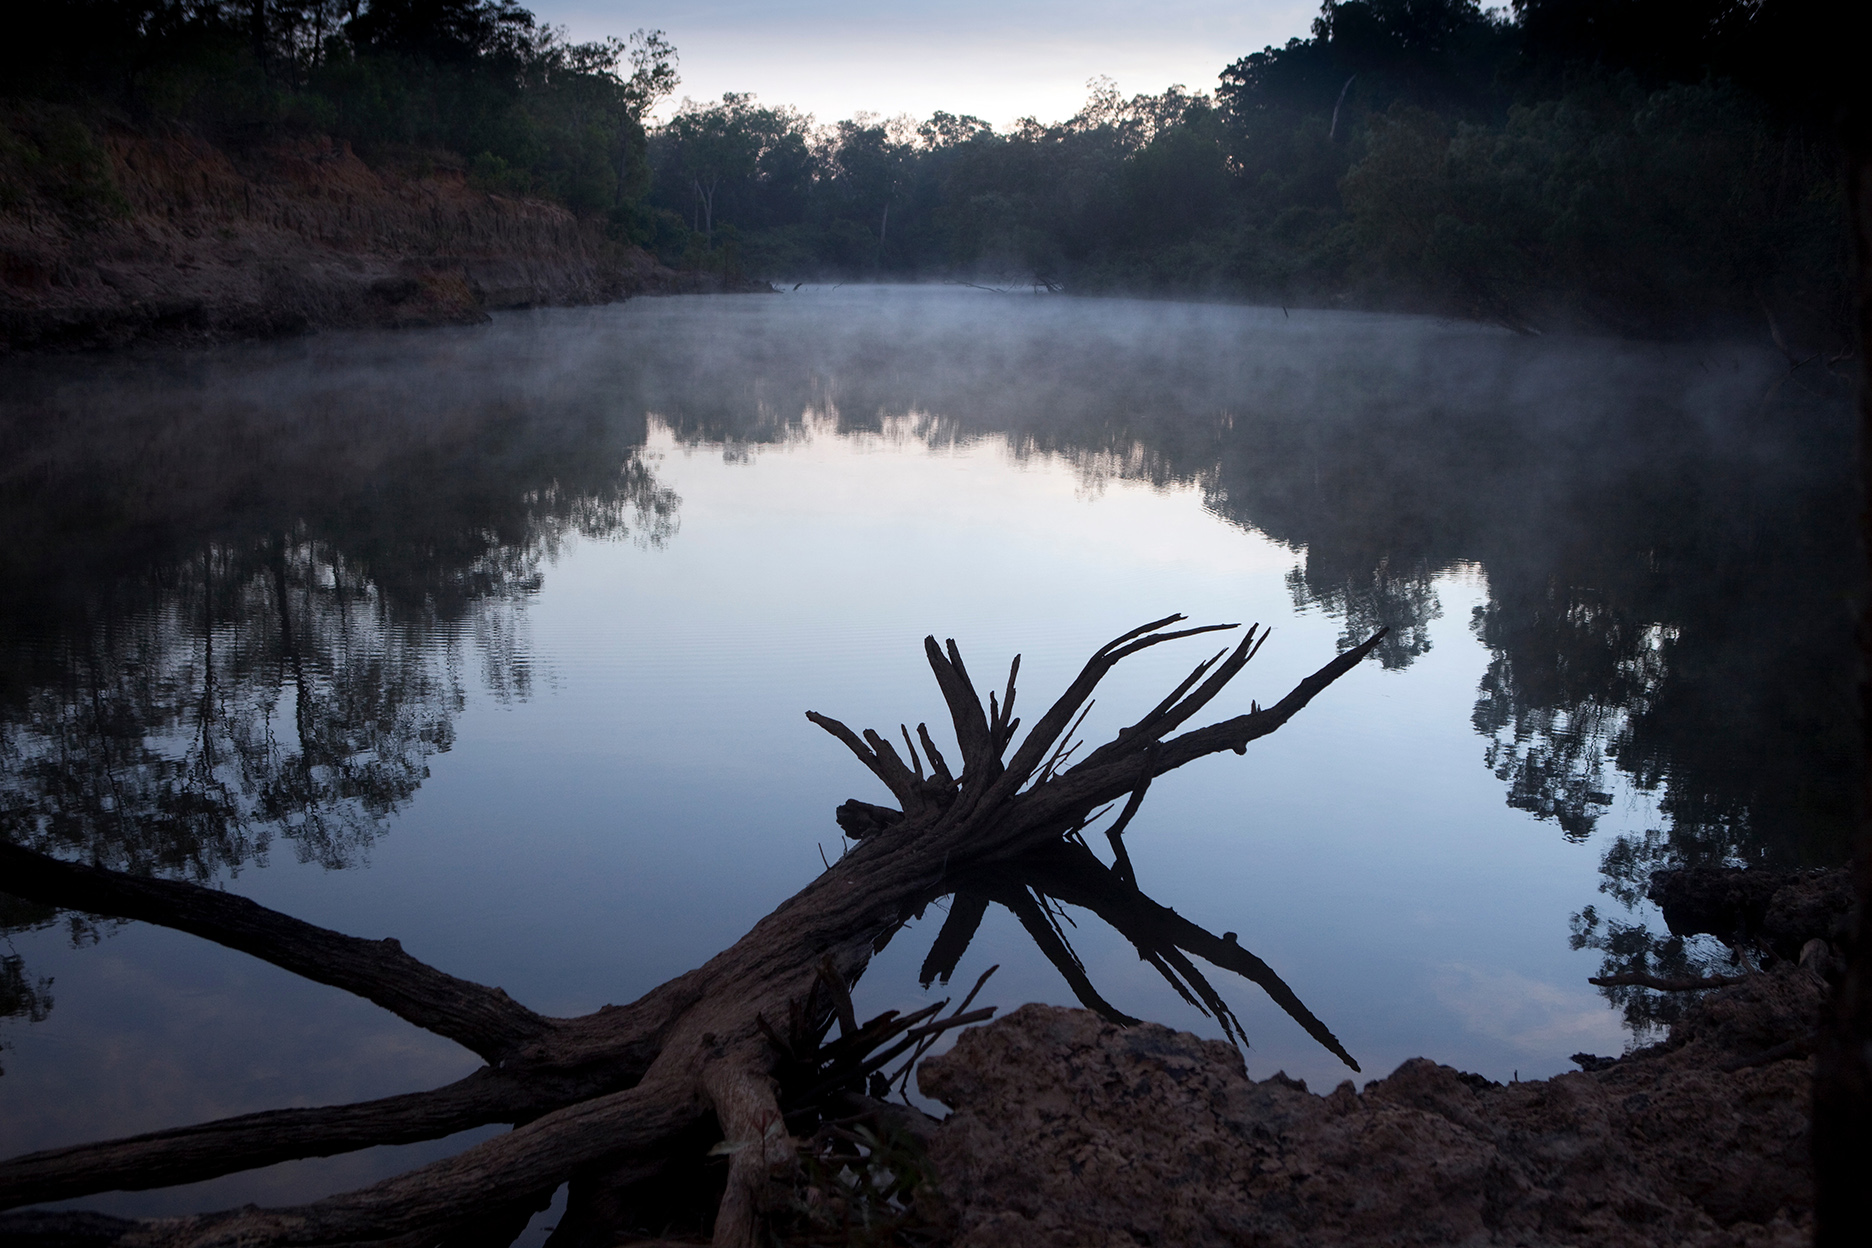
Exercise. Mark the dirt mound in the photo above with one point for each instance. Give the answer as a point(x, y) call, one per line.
point(1068, 1130)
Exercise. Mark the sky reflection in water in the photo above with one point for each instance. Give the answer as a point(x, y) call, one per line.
point(516, 625)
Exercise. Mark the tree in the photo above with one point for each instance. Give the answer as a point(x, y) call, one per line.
point(714, 142)
point(441, 30)
point(610, 1100)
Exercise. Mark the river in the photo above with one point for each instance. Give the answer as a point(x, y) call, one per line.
point(498, 640)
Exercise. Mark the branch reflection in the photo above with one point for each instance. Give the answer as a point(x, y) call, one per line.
point(1035, 886)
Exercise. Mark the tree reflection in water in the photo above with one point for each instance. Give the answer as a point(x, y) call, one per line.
point(1664, 534)
point(264, 692)
point(240, 623)
point(1668, 613)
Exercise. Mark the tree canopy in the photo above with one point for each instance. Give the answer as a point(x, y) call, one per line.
point(480, 82)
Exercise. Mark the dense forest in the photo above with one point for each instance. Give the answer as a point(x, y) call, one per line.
point(1647, 166)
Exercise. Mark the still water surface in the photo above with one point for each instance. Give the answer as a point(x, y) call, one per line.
point(498, 640)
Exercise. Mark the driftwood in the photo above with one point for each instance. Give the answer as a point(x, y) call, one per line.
point(732, 1051)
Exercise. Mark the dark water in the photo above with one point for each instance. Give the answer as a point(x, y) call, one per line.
point(497, 640)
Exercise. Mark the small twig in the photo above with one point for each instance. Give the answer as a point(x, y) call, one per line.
point(939, 769)
point(1003, 726)
point(916, 763)
point(901, 1080)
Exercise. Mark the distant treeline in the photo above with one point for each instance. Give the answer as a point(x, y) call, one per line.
point(1643, 165)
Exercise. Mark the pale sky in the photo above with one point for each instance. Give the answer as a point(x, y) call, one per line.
point(997, 59)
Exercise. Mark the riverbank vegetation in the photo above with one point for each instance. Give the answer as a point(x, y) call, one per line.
point(1642, 167)
point(1646, 166)
point(476, 84)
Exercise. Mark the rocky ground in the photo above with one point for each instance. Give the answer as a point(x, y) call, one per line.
point(1068, 1130)
point(111, 234)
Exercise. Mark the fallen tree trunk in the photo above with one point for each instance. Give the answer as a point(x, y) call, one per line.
point(603, 1100)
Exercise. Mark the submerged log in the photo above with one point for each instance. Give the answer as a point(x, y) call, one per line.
point(731, 1051)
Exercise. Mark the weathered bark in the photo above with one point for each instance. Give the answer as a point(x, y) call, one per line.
point(606, 1096)
point(755, 1132)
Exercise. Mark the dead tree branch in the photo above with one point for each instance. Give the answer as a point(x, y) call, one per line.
point(612, 1101)
point(210, 1149)
point(484, 1020)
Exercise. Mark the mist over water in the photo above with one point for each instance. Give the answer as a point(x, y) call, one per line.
point(497, 640)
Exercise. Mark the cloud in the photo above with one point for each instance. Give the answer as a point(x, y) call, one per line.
point(1530, 1016)
point(835, 58)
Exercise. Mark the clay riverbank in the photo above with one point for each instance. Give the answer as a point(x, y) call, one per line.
point(1068, 1130)
point(112, 234)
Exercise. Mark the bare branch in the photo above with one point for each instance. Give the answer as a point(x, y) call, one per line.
point(1139, 631)
point(1066, 748)
point(855, 745)
point(895, 775)
point(1115, 834)
point(1170, 700)
point(433, 1200)
point(965, 708)
point(702, 1041)
point(1003, 730)
point(1173, 717)
point(1235, 734)
point(1052, 725)
point(915, 762)
point(1105, 774)
point(1217, 1007)
point(485, 1020)
point(939, 769)
point(210, 1149)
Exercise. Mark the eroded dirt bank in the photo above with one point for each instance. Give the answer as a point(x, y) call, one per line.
point(112, 235)
point(1070, 1131)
